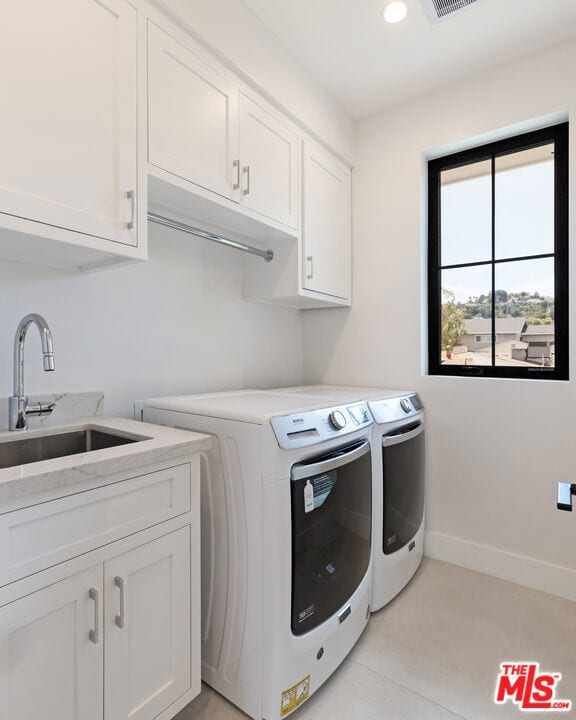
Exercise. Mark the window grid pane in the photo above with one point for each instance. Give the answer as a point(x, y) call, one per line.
point(515, 351)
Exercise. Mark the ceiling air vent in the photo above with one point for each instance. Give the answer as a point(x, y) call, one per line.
point(438, 10)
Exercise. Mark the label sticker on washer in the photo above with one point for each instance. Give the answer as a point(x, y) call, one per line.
point(308, 497)
point(295, 696)
point(316, 491)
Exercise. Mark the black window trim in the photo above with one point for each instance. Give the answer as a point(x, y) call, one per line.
point(557, 134)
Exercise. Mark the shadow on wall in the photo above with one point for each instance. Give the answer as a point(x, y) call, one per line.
point(323, 331)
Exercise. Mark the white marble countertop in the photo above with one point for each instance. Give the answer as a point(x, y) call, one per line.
point(161, 444)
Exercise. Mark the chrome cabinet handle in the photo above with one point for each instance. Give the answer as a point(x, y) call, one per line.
point(236, 164)
point(94, 634)
point(310, 259)
point(246, 169)
point(131, 195)
point(119, 582)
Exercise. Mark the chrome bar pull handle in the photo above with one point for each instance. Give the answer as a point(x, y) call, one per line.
point(131, 195)
point(268, 255)
point(310, 259)
point(120, 619)
point(94, 634)
point(236, 164)
point(246, 170)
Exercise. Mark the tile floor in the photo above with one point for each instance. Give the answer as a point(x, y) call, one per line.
point(434, 653)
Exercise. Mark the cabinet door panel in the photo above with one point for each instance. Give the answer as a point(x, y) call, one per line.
point(147, 663)
point(269, 153)
point(49, 666)
point(68, 115)
point(327, 224)
point(192, 115)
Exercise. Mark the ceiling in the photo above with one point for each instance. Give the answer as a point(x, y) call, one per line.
point(367, 64)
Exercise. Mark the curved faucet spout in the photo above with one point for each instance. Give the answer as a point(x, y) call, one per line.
point(19, 402)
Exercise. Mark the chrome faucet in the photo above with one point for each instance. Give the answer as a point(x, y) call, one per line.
point(19, 410)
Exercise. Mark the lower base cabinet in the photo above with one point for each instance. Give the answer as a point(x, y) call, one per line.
point(147, 628)
point(112, 641)
point(51, 652)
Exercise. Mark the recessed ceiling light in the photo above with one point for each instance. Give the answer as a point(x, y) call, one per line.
point(395, 12)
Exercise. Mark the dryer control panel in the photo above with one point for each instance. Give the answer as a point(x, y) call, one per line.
point(316, 426)
point(397, 408)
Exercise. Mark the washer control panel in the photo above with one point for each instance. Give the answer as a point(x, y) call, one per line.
point(310, 428)
point(337, 419)
point(398, 408)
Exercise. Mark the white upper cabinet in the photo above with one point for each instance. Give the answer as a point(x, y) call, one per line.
point(315, 270)
point(68, 117)
point(192, 117)
point(203, 130)
point(110, 110)
point(269, 156)
point(326, 253)
point(51, 652)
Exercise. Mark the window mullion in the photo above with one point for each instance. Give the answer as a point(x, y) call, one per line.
point(493, 170)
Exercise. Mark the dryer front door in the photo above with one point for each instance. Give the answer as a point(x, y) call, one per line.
point(403, 489)
point(331, 532)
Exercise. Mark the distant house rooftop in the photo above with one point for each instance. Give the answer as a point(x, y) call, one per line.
point(504, 326)
point(539, 330)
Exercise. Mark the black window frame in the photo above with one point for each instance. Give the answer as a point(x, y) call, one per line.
point(557, 134)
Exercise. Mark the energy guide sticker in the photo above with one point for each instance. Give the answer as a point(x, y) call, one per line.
point(295, 696)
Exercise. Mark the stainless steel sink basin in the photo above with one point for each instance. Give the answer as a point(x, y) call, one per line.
point(24, 450)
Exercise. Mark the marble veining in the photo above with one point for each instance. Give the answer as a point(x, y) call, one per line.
point(69, 406)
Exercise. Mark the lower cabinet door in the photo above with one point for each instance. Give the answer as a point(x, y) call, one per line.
point(51, 652)
point(147, 661)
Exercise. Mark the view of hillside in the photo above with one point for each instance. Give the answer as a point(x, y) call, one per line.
point(537, 309)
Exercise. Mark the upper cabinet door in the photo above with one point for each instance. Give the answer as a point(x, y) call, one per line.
point(68, 115)
point(269, 156)
point(327, 223)
point(148, 628)
point(51, 652)
point(192, 117)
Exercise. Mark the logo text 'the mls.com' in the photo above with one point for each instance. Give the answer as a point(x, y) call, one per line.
point(530, 689)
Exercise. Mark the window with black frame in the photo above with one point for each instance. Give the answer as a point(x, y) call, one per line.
point(498, 258)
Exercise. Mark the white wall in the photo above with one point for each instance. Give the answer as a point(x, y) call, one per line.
point(176, 324)
point(496, 448)
point(231, 28)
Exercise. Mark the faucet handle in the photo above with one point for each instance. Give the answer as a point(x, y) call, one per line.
point(40, 409)
point(565, 492)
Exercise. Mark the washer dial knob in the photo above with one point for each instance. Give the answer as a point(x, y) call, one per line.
point(337, 420)
point(405, 405)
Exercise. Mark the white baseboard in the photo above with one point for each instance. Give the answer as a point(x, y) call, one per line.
point(535, 574)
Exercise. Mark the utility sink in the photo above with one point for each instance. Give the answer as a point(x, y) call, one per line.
point(25, 450)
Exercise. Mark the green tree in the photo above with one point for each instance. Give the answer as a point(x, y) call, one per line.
point(453, 326)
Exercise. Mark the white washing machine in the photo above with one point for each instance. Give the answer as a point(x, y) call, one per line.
point(286, 540)
point(398, 481)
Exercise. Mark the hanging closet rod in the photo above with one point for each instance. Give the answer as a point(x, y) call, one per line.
point(268, 255)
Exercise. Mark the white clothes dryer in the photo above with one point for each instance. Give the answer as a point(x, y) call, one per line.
point(286, 540)
point(398, 481)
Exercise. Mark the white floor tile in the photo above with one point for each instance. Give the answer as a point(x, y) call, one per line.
point(434, 653)
point(445, 636)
